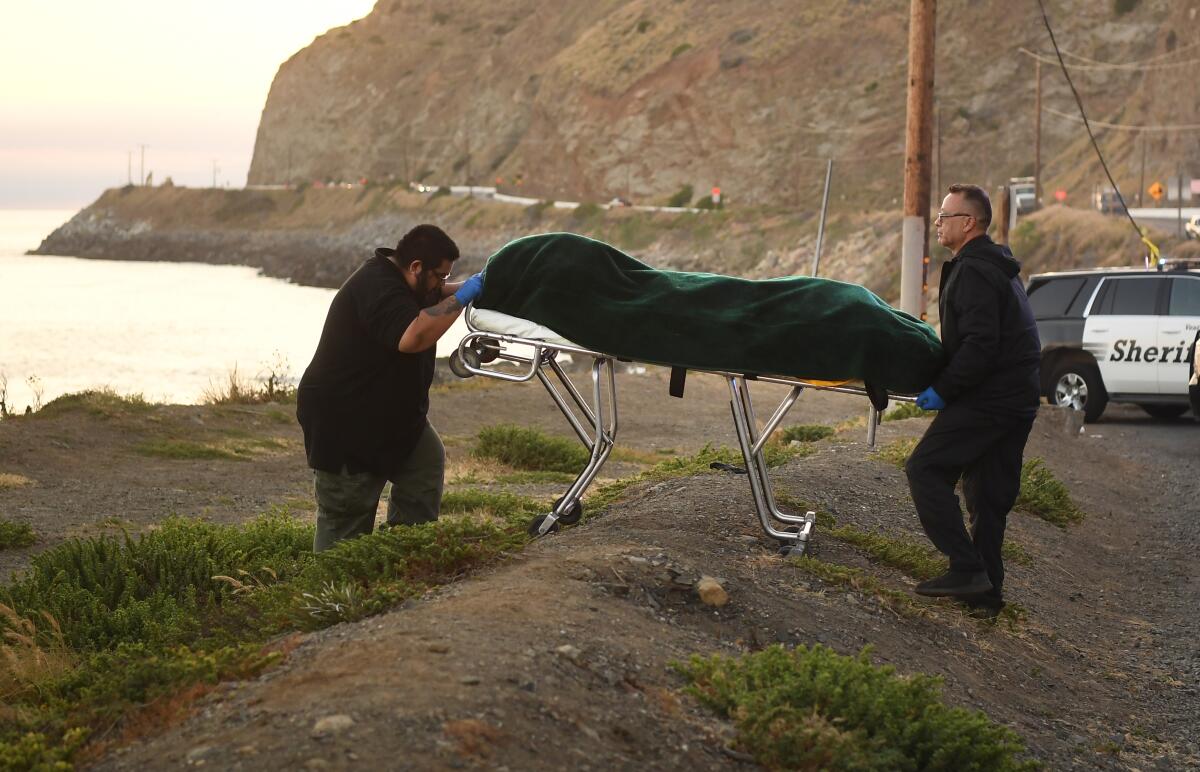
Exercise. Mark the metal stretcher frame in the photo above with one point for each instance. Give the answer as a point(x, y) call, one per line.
point(596, 425)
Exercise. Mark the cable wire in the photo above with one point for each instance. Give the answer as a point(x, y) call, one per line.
point(1126, 126)
point(1141, 232)
point(1105, 67)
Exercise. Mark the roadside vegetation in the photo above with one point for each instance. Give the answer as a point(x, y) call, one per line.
point(1042, 494)
point(806, 433)
point(15, 535)
point(812, 708)
point(273, 384)
point(107, 636)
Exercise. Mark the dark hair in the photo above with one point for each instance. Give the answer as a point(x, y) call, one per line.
point(428, 245)
point(979, 197)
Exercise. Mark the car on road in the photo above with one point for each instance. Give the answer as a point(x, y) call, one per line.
point(1117, 335)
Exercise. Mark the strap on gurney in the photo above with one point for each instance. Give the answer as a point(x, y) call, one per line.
point(678, 377)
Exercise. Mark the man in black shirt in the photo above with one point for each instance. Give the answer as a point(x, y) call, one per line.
point(988, 394)
point(363, 399)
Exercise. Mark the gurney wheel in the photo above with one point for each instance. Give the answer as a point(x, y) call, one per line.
point(792, 549)
point(536, 525)
point(456, 366)
point(487, 350)
point(573, 515)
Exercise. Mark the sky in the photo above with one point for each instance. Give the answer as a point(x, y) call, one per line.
point(85, 83)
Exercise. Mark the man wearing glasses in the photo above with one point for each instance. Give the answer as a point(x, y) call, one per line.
point(987, 394)
point(363, 399)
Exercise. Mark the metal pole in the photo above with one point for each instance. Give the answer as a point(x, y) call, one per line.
point(1037, 136)
point(1142, 181)
point(129, 166)
point(824, 209)
point(1179, 197)
point(142, 168)
point(918, 148)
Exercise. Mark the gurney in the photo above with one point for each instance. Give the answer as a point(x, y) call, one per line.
point(519, 276)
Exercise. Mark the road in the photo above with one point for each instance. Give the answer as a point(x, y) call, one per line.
point(1166, 219)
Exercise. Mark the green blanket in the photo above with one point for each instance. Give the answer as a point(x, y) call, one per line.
point(595, 295)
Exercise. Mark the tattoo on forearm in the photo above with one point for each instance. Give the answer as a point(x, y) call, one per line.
point(448, 306)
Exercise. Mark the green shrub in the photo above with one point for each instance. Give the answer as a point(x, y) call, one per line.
point(904, 410)
point(193, 602)
point(15, 534)
point(681, 197)
point(806, 433)
point(1043, 495)
point(815, 709)
point(102, 403)
point(897, 452)
point(530, 449)
point(682, 48)
point(586, 212)
point(1122, 7)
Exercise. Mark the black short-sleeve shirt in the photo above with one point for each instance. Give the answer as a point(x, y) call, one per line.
point(362, 402)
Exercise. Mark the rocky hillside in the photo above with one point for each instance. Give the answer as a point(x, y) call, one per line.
point(631, 97)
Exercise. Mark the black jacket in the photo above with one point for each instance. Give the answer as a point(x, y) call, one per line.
point(988, 332)
point(362, 402)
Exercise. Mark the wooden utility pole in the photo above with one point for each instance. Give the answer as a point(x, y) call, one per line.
point(1037, 134)
point(142, 168)
point(918, 149)
point(938, 190)
point(1003, 212)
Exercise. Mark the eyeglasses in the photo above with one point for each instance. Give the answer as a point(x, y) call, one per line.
point(944, 216)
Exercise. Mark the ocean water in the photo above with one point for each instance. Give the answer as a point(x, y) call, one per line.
point(169, 331)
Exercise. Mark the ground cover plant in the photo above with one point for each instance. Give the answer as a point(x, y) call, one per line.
point(13, 535)
point(529, 449)
point(1044, 495)
point(813, 708)
point(904, 410)
point(101, 403)
point(99, 632)
point(806, 433)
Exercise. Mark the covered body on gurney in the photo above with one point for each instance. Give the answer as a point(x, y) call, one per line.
point(565, 293)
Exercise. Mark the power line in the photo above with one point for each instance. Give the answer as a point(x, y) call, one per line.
point(1154, 58)
point(1127, 126)
point(1095, 145)
point(1106, 67)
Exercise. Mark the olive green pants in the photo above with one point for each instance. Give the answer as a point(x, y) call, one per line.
point(346, 503)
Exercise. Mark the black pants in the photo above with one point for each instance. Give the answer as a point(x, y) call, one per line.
point(984, 451)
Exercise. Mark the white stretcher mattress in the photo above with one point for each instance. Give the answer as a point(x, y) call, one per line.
point(493, 321)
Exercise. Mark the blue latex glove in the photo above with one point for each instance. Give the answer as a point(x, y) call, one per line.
point(470, 289)
point(930, 400)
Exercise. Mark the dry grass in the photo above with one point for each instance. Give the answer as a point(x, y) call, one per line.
point(10, 481)
point(24, 662)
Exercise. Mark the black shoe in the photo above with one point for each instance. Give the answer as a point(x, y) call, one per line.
point(955, 584)
point(985, 606)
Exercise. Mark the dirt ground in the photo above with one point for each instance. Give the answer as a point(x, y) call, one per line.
point(559, 658)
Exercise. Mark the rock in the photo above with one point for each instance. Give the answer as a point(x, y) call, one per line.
point(469, 680)
point(198, 754)
point(567, 651)
point(330, 725)
point(711, 592)
point(316, 764)
point(438, 648)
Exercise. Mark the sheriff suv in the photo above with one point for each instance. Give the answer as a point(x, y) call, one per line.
point(1117, 335)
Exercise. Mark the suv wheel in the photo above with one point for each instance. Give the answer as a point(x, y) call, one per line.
point(1077, 385)
point(1164, 411)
